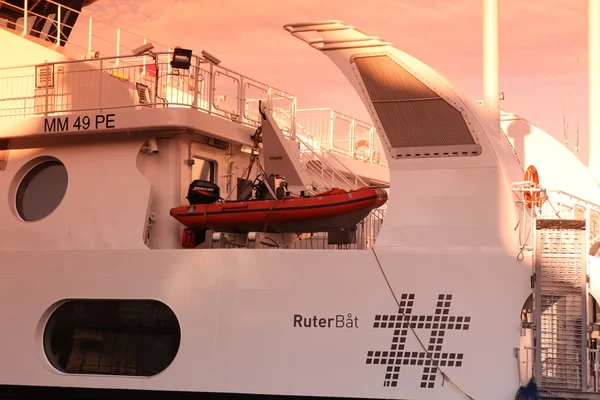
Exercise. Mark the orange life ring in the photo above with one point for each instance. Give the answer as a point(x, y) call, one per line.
point(532, 197)
point(358, 145)
point(365, 143)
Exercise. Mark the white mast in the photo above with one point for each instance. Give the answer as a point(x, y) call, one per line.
point(594, 87)
point(491, 80)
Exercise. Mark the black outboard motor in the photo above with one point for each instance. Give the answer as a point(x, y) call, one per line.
point(203, 192)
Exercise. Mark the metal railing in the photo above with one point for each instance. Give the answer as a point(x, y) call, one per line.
point(320, 161)
point(555, 204)
point(59, 88)
point(528, 365)
point(593, 383)
point(88, 38)
point(207, 87)
point(363, 238)
point(323, 173)
point(343, 134)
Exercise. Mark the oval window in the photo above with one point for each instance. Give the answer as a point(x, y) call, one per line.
point(41, 190)
point(112, 337)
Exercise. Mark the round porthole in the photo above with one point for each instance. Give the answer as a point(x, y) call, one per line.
point(41, 190)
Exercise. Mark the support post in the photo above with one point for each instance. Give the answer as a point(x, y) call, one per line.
point(25, 9)
point(491, 82)
point(594, 87)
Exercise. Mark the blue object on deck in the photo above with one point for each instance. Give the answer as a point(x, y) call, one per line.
point(528, 392)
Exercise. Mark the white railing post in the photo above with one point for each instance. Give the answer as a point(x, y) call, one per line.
point(156, 83)
point(241, 99)
point(210, 88)
point(46, 95)
point(294, 104)
point(269, 99)
point(118, 45)
point(100, 86)
point(90, 36)
point(196, 74)
point(331, 129)
point(352, 138)
point(371, 143)
point(596, 369)
point(25, 9)
point(58, 18)
point(144, 67)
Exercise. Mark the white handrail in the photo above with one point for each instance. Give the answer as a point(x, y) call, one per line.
point(118, 59)
point(55, 19)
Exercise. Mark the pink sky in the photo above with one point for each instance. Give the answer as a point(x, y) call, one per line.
point(543, 47)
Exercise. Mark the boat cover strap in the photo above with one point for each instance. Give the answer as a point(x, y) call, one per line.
point(268, 215)
point(208, 225)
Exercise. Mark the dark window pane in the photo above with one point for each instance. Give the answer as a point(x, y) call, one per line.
point(113, 337)
point(41, 190)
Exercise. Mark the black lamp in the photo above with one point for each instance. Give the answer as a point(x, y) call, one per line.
point(182, 58)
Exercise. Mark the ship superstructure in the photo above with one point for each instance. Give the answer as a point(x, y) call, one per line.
point(210, 110)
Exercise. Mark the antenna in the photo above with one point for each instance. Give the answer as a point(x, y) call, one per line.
point(565, 125)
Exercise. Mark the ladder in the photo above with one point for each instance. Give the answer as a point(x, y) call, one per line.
point(561, 305)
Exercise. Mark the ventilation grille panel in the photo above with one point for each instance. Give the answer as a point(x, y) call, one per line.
point(415, 120)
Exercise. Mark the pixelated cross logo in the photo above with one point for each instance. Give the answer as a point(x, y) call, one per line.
point(437, 324)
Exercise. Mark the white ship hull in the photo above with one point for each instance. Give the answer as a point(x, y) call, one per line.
point(469, 283)
point(239, 317)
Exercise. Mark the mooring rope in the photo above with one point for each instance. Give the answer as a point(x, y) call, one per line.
point(401, 309)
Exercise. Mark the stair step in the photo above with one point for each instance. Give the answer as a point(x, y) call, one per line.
point(562, 394)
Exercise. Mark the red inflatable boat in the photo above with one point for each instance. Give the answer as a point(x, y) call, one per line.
point(324, 212)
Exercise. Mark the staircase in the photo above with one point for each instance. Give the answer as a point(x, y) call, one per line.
point(560, 303)
point(324, 168)
point(323, 173)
